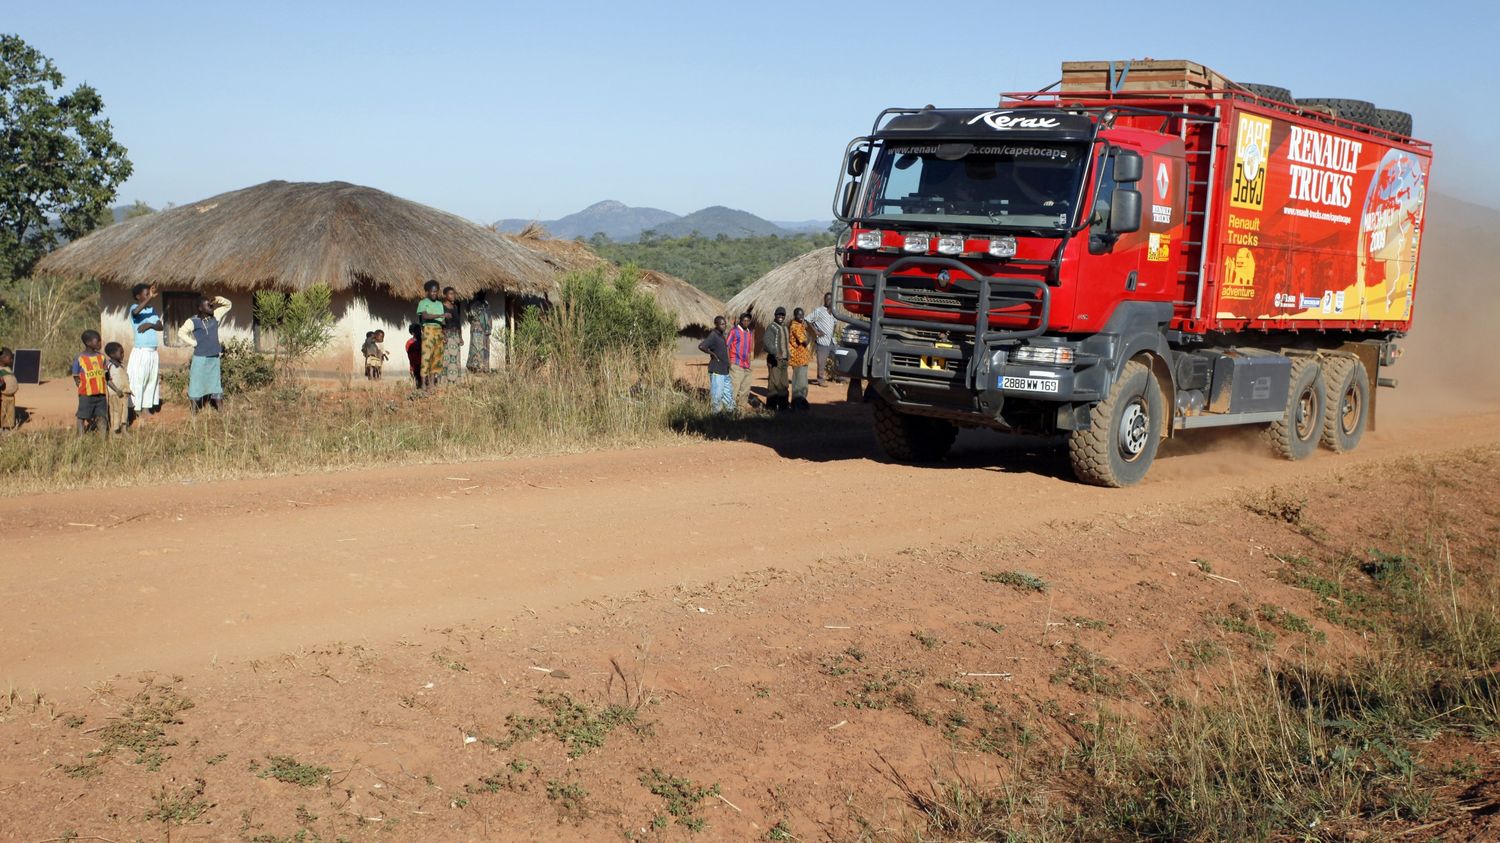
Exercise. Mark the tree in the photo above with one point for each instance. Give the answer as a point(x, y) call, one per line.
point(301, 323)
point(60, 165)
point(138, 209)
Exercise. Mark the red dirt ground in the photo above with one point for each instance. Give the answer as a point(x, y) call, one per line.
point(723, 583)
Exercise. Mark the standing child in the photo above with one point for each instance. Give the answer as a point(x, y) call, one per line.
point(414, 354)
point(375, 355)
point(144, 366)
point(118, 381)
point(205, 374)
point(89, 375)
point(8, 389)
point(371, 356)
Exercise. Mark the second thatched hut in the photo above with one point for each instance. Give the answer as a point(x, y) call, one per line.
point(800, 282)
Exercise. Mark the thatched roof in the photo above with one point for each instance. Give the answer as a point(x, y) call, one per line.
point(800, 282)
point(693, 308)
point(291, 235)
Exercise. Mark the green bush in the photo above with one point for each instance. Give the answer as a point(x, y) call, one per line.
point(594, 319)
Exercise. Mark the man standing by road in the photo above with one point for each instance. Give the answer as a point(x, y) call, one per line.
point(144, 366)
point(741, 343)
point(778, 350)
point(720, 391)
point(823, 324)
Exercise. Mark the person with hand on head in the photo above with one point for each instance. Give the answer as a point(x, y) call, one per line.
point(778, 349)
point(144, 368)
point(720, 389)
point(205, 373)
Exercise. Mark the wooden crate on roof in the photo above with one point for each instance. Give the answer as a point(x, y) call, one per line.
point(1142, 76)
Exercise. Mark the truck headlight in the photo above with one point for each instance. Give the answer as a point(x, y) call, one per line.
point(950, 244)
point(916, 242)
point(1052, 355)
point(854, 336)
point(869, 239)
point(1003, 247)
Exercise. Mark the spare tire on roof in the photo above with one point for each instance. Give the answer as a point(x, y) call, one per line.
point(1357, 110)
point(1398, 122)
point(1270, 92)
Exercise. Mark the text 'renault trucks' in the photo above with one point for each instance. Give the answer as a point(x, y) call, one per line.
point(1149, 249)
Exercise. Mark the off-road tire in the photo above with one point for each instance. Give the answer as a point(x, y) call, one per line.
point(1296, 435)
point(1359, 111)
point(906, 438)
point(1398, 122)
point(1270, 92)
point(1106, 454)
point(1346, 404)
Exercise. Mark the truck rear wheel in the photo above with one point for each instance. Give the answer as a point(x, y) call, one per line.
point(1295, 436)
point(1124, 431)
point(1348, 403)
point(906, 438)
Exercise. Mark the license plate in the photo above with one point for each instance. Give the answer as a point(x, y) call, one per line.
point(1029, 384)
point(936, 364)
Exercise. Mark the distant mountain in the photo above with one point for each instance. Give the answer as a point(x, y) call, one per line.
point(618, 221)
point(713, 221)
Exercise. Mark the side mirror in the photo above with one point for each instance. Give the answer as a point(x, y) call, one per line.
point(851, 190)
point(1128, 167)
point(1125, 210)
point(857, 161)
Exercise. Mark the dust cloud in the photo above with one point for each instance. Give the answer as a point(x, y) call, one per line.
point(1451, 361)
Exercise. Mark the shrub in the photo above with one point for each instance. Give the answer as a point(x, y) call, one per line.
point(301, 323)
point(594, 319)
point(49, 314)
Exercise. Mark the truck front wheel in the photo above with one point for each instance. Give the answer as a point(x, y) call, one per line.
point(906, 438)
point(1348, 403)
point(1124, 431)
point(1295, 436)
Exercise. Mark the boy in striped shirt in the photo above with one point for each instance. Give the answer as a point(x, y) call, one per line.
point(89, 374)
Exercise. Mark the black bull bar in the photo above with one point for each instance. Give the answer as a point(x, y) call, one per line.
point(974, 299)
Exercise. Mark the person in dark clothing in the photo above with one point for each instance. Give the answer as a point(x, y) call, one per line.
point(778, 351)
point(720, 390)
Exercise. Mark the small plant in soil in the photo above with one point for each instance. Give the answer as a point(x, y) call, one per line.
point(1016, 579)
point(179, 807)
point(926, 639)
point(682, 796)
point(284, 768)
point(571, 798)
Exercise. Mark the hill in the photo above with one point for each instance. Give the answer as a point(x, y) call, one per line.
point(716, 220)
point(615, 219)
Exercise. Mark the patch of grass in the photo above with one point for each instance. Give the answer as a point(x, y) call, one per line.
point(73, 721)
point(1088, 672)
point(448, 662)
point(179, 807)
point(1282, 619)
point(1239, 620)
point(577, 725)
point(285, 768)
point(141, 729)
point(972, 690)
point(991, 626)
point(571, 798)
point(1200, 653)
point(682, 796)
point(780, 831)
point(1091, 624)
point(509, 778)
point(926, 639)
point(1279, 504)
point(1016, 579)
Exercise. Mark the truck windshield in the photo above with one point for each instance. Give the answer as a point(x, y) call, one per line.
point(1019, 185)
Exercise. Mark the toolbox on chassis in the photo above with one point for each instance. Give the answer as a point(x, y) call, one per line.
point(1118, 265)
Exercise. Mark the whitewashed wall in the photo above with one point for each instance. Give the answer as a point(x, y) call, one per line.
point(354, 314)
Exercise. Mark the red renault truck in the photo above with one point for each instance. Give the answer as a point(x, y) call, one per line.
point(1115, 263)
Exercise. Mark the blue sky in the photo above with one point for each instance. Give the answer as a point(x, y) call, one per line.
point(534, 109)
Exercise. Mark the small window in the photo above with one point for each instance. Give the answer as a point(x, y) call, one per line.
point(179, 308)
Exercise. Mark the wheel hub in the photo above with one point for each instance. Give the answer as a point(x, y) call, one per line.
point(1135, 429)
point(1307, 414)
point(1350, 410)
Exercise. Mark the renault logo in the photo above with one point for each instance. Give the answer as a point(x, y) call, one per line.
point(944, 278)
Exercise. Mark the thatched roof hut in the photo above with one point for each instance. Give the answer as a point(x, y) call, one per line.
point(290, 235)
point(695, 310)
point(800, 282)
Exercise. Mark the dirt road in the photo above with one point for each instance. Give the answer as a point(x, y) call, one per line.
point(181, 578)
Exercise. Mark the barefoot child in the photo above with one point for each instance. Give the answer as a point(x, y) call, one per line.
point(89, 375)
point(117, 378)
point(205, 380)
point(8, 389)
